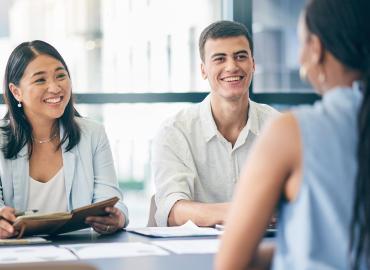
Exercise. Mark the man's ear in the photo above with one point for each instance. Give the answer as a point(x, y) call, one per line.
point(15, 91)
point(203, 70)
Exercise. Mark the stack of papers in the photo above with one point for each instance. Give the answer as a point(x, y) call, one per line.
point(188, 229)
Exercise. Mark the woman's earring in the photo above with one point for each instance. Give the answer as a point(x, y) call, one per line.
point(303, 73)
point(321, 77)
point(19, 104)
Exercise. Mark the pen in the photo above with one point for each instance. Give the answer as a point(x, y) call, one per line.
point(24, 213)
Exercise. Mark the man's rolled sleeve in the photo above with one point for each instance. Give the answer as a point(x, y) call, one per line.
point(165, 205)
point(173, 172)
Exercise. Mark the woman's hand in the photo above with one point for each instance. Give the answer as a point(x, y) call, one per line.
point(7, 216)
point(108, 224)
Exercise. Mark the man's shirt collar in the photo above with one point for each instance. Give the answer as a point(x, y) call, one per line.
point(209, 127)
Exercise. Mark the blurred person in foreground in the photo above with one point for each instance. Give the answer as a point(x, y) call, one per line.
point(314, 162)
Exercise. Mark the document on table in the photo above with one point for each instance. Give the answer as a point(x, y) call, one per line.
point(111, 250)
point(188, 229)
point(34, 254)
point(268, 233)
point(190, 246)
point(23, 241)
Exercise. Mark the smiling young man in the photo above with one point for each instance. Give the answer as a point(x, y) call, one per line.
point(198, 154)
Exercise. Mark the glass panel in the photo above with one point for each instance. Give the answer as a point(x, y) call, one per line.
point(116, 45)
point(276, 46)
point(3, 110)
point(130, 129)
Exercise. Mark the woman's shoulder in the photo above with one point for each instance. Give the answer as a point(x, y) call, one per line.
point(88, 125)
point(91, 131)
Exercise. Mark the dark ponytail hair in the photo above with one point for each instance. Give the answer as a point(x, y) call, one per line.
point(343, 26)
point(360, 227)
point(17, 130)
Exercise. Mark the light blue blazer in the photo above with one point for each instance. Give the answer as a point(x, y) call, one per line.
point(88, 170)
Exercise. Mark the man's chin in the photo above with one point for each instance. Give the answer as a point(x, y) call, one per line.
point(235, 96)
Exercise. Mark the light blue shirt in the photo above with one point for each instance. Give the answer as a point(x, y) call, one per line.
point(88, 170)
point(314, 230)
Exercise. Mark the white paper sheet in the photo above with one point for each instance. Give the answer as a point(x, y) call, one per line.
point(188, 229)
point(111, 250)
point(34, 254)
point(194, 246)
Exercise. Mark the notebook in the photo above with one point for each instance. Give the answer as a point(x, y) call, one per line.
point(60, 222)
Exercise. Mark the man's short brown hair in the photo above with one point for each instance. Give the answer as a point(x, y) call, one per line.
point(223, 29)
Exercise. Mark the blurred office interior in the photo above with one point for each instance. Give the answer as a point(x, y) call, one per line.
point(134, 63)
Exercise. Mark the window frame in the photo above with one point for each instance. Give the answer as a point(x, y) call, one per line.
point(242, 12)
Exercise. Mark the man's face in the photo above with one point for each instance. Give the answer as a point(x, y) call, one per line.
point(228, 65)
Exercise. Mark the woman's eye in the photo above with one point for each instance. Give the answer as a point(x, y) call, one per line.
point(61, 76)
point(41, 80)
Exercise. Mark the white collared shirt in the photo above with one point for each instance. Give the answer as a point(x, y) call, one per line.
point(191, 160)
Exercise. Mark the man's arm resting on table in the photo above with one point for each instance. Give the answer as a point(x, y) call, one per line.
point(202, 214)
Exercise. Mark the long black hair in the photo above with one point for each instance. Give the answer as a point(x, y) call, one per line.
point(18, 131)
point(343, 26)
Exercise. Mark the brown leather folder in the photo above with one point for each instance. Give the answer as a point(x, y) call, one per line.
point(61, 222)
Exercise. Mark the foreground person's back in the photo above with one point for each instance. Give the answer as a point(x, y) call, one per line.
point(313, 163)
point(314, 228)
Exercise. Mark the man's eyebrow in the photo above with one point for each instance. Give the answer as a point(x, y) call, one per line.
point(241, 51)
point(217, 55)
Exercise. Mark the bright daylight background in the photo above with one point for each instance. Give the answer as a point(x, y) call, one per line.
point(136, 46)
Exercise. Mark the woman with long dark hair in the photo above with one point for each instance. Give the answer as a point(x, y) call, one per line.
point(314, 162)
point(51, 159)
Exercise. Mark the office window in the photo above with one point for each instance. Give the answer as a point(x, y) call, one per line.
point(146, 47)
point(116, 45)
point(121, 46)
point(130, 129)
point(276, 46)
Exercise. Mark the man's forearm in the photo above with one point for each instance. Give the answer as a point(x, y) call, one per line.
point(202, 214)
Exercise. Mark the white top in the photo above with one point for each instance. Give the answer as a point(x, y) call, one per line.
point(191, 160)
point(48, 197)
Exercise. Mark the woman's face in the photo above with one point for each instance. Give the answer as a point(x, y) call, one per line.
point(44, 90)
